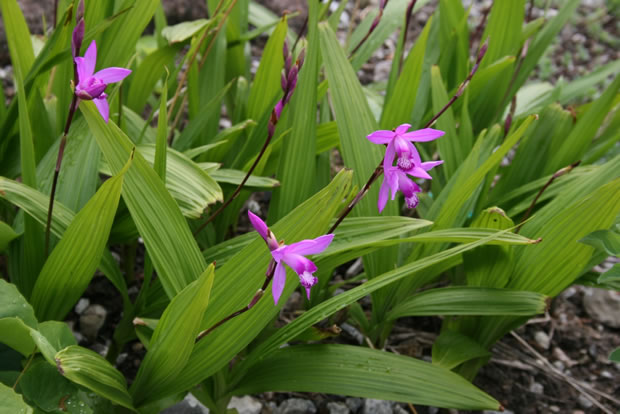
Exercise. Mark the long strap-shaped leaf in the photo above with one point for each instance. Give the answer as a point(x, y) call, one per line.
point(73, 262)
point(363, 372)
point(166, 235)
point(173, 339)
point(92, 371)
point(471, 301)
point(35, 205)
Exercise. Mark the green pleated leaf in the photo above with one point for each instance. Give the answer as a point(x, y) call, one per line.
point(235, 177)
point(362, 372)
point(13, 304)
point(73, 262)
point(504, 30)
point(297, 162)
point(43, 385)
point(91, 370)
point(551, 267)
point(611, 277)
point(183, 31)
point(15, 334)
point(12, 402)
point(174, 337)
point(35, 205)
point(6, 235)
point(470, 301)
point(191, 187)
point(604, 240)
point(577, 142)
point(490, 266)
point(166, 234)
point(32, 241)
point(452, 349)
point(17, 36)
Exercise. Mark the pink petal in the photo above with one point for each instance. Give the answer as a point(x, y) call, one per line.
point(407, 186)
point(111, 75)
point(429, 165)
point(383, 195)
point(423, 135)
point(419, 172)
point(103, 107)
point(279, 280)
point(392, 178)
point(259, 225)
point(82, 70)
point(90, 59)
point(401, 129)
point(299, 263)
point(388, 159)
point(315, 246)
point(381, 137)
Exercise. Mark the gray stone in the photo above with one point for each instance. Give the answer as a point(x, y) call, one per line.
point(81, 306)
point(372, 406)
point(92, 320)
point(245, 405)
point(189, 405)
point(537, 388)
point(584, 402)
point(542, 339)
point(353, 332)
point(399, 410)
point(297, 406)
point(433, 410)
point(602, 305)
point(353, 403)
point(338, 408)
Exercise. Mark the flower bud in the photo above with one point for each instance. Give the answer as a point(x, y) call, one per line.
point(77, 38)
point(301, 58)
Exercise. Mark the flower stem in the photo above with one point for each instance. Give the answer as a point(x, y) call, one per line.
point(61, 151)
point(557, 174)
point(373, 26)
point(408, 15)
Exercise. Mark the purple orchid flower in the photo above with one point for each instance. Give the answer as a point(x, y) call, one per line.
point(292, 255)
point(91, 85)
point(395, 179)
point(399, 141)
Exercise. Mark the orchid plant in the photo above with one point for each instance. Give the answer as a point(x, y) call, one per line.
point(204, 137)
